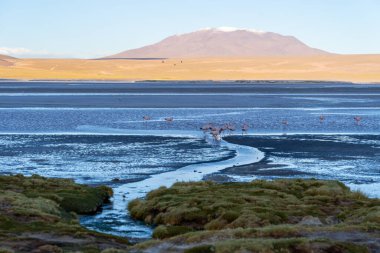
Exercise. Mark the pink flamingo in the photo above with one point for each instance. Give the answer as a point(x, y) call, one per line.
point(169, 119)
point(244, 128)
point(321, 118)
point(231, 128)
point(206, 128)
point(216, 133)
point(224, 128)
point(357, 120)
point(146, 118)
point(285, 123)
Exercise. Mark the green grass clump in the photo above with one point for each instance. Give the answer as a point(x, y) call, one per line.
point(3, 250)
point(201, 249)
point(71, 197)
point(288, 245)
point(261, 216)
point(162, 232)
point(36, 213)
point(212, 206)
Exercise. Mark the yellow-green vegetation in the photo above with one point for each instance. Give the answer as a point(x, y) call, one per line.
point(261, 216)
point(70, 196)
point(40, 215)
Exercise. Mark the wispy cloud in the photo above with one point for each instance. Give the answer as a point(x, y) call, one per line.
point(25, 52)
point(14, 51)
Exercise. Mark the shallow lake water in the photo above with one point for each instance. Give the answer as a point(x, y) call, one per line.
point(293, 132)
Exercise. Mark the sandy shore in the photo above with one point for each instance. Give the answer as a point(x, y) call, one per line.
point(351, 68)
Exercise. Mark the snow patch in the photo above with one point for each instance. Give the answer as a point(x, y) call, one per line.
point(232, 29)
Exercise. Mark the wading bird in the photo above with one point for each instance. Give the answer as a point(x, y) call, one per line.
point(244, 128)
point(216, 133)
point(231, 128)
point(169, 119)
point(206, 128)
point(285, 124)
point(146, 118)
point(357, 120)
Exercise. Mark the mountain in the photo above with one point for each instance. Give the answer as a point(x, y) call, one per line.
point(4, 60)
point(6, 57)
point(223, 42)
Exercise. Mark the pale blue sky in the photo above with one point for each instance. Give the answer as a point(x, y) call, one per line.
point(93, 28)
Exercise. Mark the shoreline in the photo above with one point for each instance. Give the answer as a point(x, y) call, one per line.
point(237, 81)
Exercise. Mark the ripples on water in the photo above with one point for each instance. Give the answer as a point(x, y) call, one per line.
point(101, 158)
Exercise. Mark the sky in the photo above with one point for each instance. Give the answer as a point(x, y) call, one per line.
point(95, 28)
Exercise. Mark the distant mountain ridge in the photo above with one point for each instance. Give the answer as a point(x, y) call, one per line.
point(223, 42)
point(4, 58)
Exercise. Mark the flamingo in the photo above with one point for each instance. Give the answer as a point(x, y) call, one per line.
point(244, 128)
point(215, 128)
point(206, 128)
point(224, 127)
point(230, 128)
point(357, 120)
point(285, 123)
point(216, 133)
point(146, 118)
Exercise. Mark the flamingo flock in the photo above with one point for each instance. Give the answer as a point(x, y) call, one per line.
point(219, 131)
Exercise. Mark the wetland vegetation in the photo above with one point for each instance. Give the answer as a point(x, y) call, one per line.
point(38, 214)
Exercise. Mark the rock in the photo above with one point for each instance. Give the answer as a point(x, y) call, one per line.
point(310, 221)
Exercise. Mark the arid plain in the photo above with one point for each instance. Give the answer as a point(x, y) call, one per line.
point(350, 68)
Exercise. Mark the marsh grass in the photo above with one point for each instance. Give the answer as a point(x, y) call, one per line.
point(212, 206)
point(162, 232)
point(47, 208)
point(70, 196)
point(261, 216)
